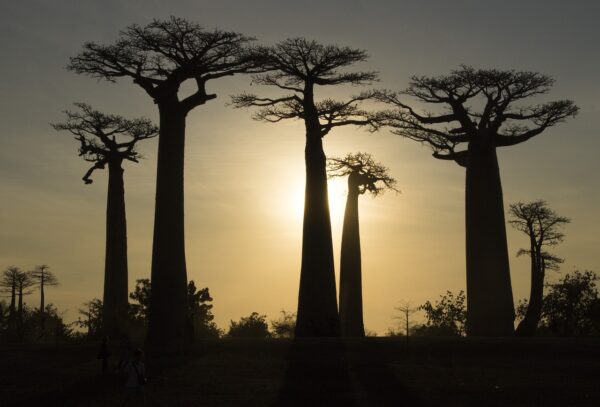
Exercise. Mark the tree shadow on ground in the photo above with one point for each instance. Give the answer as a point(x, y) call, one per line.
point(333, 372)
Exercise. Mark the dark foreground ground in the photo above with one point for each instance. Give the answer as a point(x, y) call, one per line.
point(369, 372)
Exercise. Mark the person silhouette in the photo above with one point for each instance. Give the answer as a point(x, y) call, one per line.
point(104, 354)
point(135, 379)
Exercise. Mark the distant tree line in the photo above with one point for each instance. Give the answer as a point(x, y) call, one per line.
point(20, 322)
point(570, 307)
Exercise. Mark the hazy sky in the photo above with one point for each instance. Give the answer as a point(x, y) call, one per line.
point(245, 179)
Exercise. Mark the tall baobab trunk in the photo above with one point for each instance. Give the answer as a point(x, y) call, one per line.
point(351, 309)
point(490, 308)
point(317, 303)
point(115, 303)
point(528, 325)
point(167, 326)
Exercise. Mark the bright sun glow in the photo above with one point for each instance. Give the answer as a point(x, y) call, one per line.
point(291, 201)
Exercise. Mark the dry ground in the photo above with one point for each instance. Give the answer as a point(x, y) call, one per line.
point(367, 372)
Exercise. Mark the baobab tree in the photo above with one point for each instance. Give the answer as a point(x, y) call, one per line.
point(160, 57)
point(9, 284)
point(108, 140)
point(42, 277)
point(296, 67)
point(541, 225)
point(364, 176)
point(23, 283)
point(482, 112)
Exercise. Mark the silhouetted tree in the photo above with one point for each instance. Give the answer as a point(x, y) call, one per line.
point(364, 176)
point(405, 312)
point(141, 295)
point(108, 140)
point(9, 284)
point(540, 224)
point(482, 114)
point(159, 57)
point(43, 278)
point(447, 317)
point(4, 313)
point(24, 284)
point(297, 66)
point(252, 326)
point(284, 326)
point(200, 312)
point(92, 313)
point(568, 307)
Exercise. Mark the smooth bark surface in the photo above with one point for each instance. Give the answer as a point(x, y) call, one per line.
point(490, 309)
point(317, 304)
point(115, 299)
point(351, 308)
point(168, 326)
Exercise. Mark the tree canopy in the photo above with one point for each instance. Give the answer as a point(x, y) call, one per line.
point(295, 66)
point(105, 137)
point(372, 177)
point(163, 54)
point(477, 104)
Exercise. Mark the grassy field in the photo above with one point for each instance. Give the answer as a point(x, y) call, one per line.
point(367, 372)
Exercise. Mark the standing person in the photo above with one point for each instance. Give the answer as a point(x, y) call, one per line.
point(125, 352)
point(104, 354)
point(136, 379)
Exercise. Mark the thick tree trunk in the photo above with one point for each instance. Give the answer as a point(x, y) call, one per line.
point(490, 308)
point(317, 303)
point(168, 328)
point(115, 303)
point(351, 307)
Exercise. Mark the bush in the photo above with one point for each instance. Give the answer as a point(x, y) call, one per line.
point(253, 326)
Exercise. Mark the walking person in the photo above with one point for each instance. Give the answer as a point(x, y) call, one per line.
point(135, 380)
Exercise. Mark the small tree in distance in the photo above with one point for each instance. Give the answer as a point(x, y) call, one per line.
point(405, 312)
point(252, 326)
point(43, 278)
point(541, 225)
point(569, 305)
point(8, 284)
point(284, 326)
point(92, 318)
point(446, 317)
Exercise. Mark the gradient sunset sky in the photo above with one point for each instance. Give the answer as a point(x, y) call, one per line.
point(245, 179)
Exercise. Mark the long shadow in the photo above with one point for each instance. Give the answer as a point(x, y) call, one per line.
point(332, 372)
